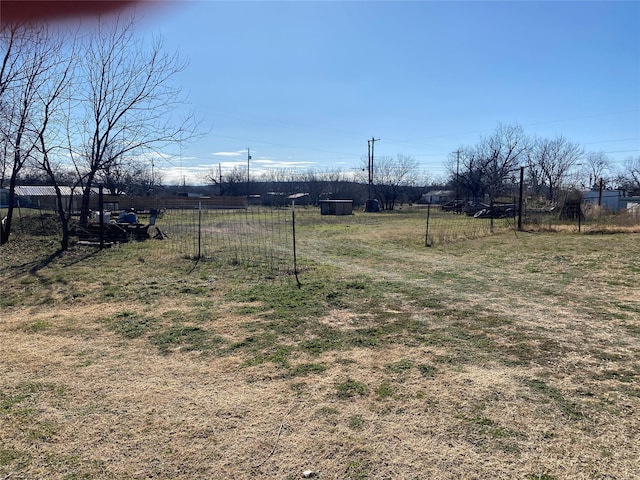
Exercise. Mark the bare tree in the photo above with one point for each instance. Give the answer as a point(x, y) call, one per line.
point(392, 176)
point(485, 170)
point(595, 166)
point(12, 38)
point(328, 183)
point(15, 40)
point(213, 177)
point(314, 184)
point(499, 156)
point(554, 158)
point(417, 191)
point(466, 173)
point(28, 58)
point(276, 178)
point(629, 177)
point(535, 174)
point(49, 149)
point(229, 182)
point(234, 181)
point(124, 102)
point(128, 175)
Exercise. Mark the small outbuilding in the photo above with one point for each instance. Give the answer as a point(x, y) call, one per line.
point(336, 207)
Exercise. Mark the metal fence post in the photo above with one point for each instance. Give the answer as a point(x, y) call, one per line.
point(199, 229)
point(101, 216)
point(520, 195)
point(295, 257)
point(426, 235)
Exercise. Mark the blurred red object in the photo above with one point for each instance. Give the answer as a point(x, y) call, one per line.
point(47, 10)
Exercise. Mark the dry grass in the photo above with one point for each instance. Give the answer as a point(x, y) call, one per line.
point(505, 357)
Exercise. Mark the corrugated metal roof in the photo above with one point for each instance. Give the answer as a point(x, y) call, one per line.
point(45, 191)
point(439, 193)
point(295, 196)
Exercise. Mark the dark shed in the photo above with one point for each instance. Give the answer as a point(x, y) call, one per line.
point(336, 207)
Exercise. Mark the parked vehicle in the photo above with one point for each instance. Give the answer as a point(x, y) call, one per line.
point(474, 207)
point(453, 206)
point(504, 210)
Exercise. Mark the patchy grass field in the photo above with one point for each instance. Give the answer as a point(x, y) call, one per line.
point(502, 357)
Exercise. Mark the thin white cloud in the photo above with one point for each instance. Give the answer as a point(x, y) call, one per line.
point(230, 154)
point(188, 175)
point(268, 163)
point(195, 174)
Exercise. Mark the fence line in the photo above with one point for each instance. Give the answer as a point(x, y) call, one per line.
point(35, 223)
point(447, 226)
point(251, 237)
point(264, 237)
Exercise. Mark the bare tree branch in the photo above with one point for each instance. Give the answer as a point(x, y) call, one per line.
point(126, 106)
point(30, 56)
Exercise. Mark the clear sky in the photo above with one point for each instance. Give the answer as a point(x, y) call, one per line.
point(304, 84)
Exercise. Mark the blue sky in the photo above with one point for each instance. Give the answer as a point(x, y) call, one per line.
point(305, 84)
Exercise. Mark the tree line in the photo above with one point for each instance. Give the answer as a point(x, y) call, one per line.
point(484, 172)
point(395, 179)
point(488, 169)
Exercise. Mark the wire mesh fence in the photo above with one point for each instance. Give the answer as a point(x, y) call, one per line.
point(265, 237)
point(251, 237)
point(33, 223)
point(448, 226)
point(597, 219)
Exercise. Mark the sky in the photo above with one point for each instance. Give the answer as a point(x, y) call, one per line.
point(305, 84)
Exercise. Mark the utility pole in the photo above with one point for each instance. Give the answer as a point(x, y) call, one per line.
point(372, 143)
point(248, 161)
point(457, 172)
point(369, 166)
point(220, 177)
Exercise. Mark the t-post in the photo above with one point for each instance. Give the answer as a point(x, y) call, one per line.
point(520, 199)
point(101, 215)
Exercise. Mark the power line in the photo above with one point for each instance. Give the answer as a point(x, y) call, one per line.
point(613, 141)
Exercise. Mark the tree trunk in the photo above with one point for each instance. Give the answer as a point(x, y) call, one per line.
point(84, 206)
point(5, 223)
point(64, 219)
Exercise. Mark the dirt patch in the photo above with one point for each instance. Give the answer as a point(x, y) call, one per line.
point(344, 320)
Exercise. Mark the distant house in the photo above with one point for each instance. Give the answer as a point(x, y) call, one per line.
point(438, 196)
point(612, 200)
